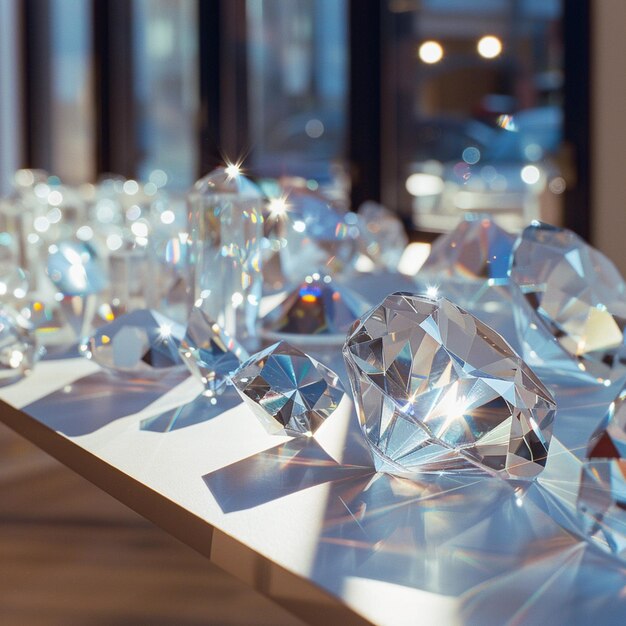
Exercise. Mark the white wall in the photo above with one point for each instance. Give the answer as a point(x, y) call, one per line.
point(10, 114)
point(609, 129)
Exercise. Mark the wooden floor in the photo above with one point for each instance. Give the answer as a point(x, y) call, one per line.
point(71, 555)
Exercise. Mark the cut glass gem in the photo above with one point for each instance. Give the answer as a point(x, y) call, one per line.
point(75, 269)
point(601, 500)
point(209, 352)
point(226, 230)
point(309, 234)
point(318, 306)
point(477, 249)
point(436, 389)
point(290, 392)
point(576, 291)
point(143, 342)
point(18, 346)
point(382, 235)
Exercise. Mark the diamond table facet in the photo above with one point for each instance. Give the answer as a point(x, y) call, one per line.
point(290, 392)
point(436, 389)
point(209, 352)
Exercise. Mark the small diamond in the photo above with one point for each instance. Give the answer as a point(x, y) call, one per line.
point(437, 389)
point(602, 493)
point(143, 342)
point(576, 291)
point(318, 306)
point(477, 249)
point(290, 392)
point(75, 269)
point(18, 346)
point(209, 352)
point(309, 233)
point(383, 238)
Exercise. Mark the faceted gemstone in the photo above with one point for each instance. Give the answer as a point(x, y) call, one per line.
point(436, 389)
point(226, 231)
point(309, 234)
point(75, 269)
point(18, 346)
point(318, 306)
point(382, 235)
point(576, 291)
point(602, 493)
point(477, 249)
point(209, 352)
point(290, 392)
point(143, 342)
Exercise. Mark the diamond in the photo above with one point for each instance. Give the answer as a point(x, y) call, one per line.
point(576, 291)
point(226, 231)
point(143, 342)
point(209, 352)
point(601, 500)
point(75, 269)
point(477, 249)
point(437, 389)
point(18, 346)
point(290, 392)
point(310, 234)
point(383, 238)
point(318, 306)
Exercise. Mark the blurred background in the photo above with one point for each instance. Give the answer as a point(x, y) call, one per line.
point(433, 107)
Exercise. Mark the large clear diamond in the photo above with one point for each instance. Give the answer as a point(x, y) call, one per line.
point(318, 306)
point(576, 291)
point(143, 342)
point(18, 346)
point(602, 493)
point(290, 392)
point(437, 389)
point(209, 352)
point(477, 249)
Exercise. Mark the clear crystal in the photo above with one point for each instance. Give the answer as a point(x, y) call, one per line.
point(382, 235)
point(601, 500)
point(75, 269)
point(576, 291)
point(49, 324)
point(309, 234)
point(209, 352)
point(290, 392)
point(18, 346)
point(437, 389)
point(143, 342)
point(318, 306)
point(14, 283)
point(477, 249)
point(226, 229)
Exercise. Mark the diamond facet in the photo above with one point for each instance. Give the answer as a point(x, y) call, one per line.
point(576, 291)
point(437, 389)
point(477, 249)
point(209, 352)
point(143, 342)
point(290, 392)
point(18, 346)
point(318, 306)
point(602, 493)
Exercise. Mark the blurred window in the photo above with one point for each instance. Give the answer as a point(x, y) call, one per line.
point(477, 89)
point(297, 86)
point(165, 70)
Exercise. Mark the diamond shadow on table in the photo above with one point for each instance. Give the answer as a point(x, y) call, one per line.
point(285, 469)
point(199, 410)
point(94, 401)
